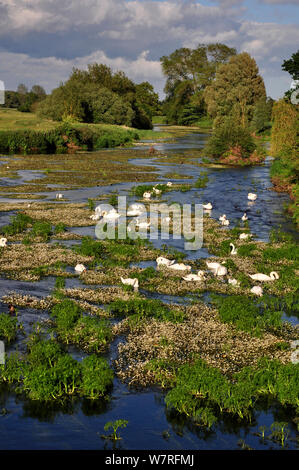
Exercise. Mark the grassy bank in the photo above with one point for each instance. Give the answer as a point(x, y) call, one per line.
point(26, 133)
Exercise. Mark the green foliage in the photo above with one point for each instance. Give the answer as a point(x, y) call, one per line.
point(113, 200)
point(12, 371)
point(248, 249)
point(43, 353)
point(58, 140)
point(46, 383)
point(91, 204)
point(164, 371)
point(97, 377)
point(202, 181)
point(262, 114)
point(91, 334)
point(289, 251)
point(66, 314)
point(8, 327)
point(188, 72)
point(59, 228)
point(42, 229)
point(143, 308)
point(247, 314)
point(145, 274)
point(19, 223)
point(60, 282)
point(229, 135)
point(237, 88)
point(292, 65)
point(89, 247)
point(203, 393)
point(47, 373)
point(96, 96)
point(115, 425)
point(277, 236)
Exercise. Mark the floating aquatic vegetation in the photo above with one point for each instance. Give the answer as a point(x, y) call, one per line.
point(114, 425)
point(139, 309)
point(202, 392)
point(247, 314)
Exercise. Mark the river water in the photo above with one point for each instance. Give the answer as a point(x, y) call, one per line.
point(28, 425)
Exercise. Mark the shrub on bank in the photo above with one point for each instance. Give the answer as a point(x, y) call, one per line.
point(232, 144)
point(65, 138)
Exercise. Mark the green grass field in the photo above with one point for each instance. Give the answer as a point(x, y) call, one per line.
point(13, 120)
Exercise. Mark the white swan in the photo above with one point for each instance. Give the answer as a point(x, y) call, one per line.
point(113, 214)
point(164, 261)
point(147, 195)
point(195, 277)
point(142, 224)
point(225, 222)
point(244, 236)
point(252, 196)
point(233, 250)
point(257, 290)
point(137, 207)
point(180, 267)
point(217, 268)
point(3, 242)
point(222, 271)
point(234, 282)
point(95, 216)
point(263, 277)
point(207, 206)
point(244, 217)
point(169, 184)
point(157, 191)
point(134, 212)
point(222, 217)
point(80, 268)
point(59, 196)
point(99, 210)
point(131, 282)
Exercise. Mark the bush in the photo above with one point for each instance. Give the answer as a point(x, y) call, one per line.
point(230, 135)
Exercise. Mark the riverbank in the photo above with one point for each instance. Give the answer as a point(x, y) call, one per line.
point(26, 133)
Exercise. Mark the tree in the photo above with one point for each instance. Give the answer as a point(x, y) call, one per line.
point(189, 72)
point(262, 113)
point(94, 94)
point(39, 91)
point(236, 89)
point(292, 66)
point(22, 89)
point(147, 99)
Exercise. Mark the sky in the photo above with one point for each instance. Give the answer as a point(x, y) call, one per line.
point(42, 40)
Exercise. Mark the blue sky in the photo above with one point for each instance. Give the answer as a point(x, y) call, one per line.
point(41, 40)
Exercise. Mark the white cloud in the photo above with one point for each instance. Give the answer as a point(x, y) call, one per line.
point(45, 38)
point(21, 68)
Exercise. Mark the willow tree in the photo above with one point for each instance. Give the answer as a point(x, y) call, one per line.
point(236, 90)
